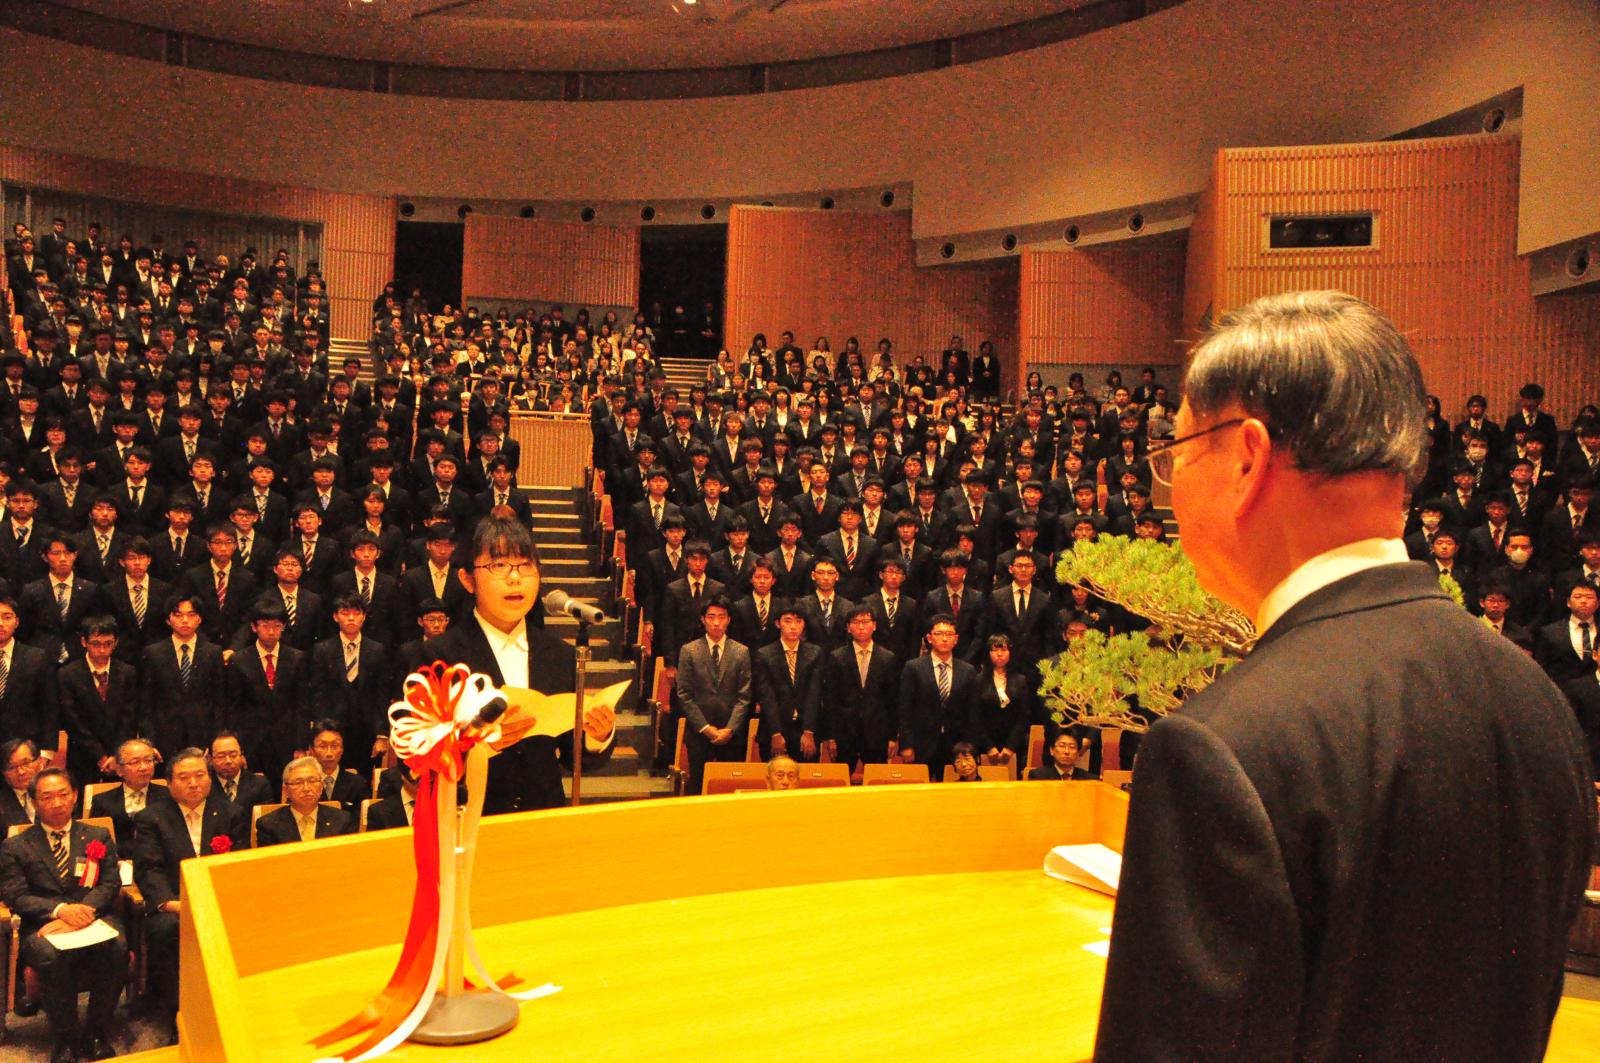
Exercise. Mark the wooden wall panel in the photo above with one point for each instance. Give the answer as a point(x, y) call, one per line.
point(357, 235)
point(1445, 266)
point(541, 261)
point(840, 273)
point(1116, 305)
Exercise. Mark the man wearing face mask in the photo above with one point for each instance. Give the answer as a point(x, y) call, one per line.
point(1430, 517)
point(1527, 584)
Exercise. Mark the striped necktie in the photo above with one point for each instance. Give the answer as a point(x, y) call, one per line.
point(60, 852)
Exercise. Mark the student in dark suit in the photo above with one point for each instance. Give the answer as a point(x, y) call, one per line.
point(304, 817)
point(897, 615)
point(196, 822)
point(134, 763)
point(789, 699)
point(1063, 763)
point(28, 700)
point(65, 501)
point(731, 565)
point(54, 608)
point(1006, 703)
point(938, 698)
point(499, 563)
point(1024, 613)
point(679, 620)
point(860, 703)
point(179, 546)
point(434, 578)
point(714, 688)
point(99, 700)
point(825, 608)
point(182, 680)
point(791, 564)
point(659, 569)
point(100, 544)
point(961, 602)
point(378, 592)
point(351, 683)
point(232, 779)
point(763, 511)
point(854, 552)
point(224, 588)
point(754, 621)
point(42, 879)
point(1302, 426)
point(269, 699)
point(321, 555)
point(1565, 648)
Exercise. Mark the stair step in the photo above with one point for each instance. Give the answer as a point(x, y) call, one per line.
point(601, 790)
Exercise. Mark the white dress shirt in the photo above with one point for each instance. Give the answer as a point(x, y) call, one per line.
point(1326, 568)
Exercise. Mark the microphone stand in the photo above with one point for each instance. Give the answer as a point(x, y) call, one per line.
point(577, 710)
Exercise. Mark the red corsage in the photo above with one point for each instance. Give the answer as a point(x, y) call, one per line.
point(221, 843)
point(93, 853)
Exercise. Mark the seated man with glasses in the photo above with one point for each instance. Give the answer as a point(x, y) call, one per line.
point(136, 767)
point(304, 818)
point(20, 761)
point(498, 564)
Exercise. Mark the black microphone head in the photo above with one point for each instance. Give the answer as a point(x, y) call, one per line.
point(492, 710)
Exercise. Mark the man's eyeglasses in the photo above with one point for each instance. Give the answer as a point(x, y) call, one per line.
point(1161, 456)
point(502, 569)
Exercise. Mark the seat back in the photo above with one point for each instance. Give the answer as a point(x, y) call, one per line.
point(815, 775)
point(884, 774)
point(91, 790)
point(996, 771)
point(1116, 778)
point(726, 777)
point(366, 804)
point(1035, 757)
point(752, 745)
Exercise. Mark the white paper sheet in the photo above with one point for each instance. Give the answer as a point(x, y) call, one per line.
point(93, 934)
point(1094, 866)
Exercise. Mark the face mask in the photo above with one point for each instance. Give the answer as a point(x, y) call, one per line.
point(1519, 557)
point(1430, 522)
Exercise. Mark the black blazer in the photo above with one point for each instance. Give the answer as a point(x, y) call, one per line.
point(786, 707)
point(111, 804)
point(745, 624)
point(96, 726)
point(362, 707)
point(387, 814)
point(1584, 695)
point(221, 623)
point(930, 725)
point(862, 719)
point(32, 888)
point(903, 638)
point(793, 581)
point(1365, 872)
point(528, 774)
point(181, 715)
point(972, 622)
point(1552, 649)
point(253, 790)
point(271, 723)
point(1005, 728)
point(1050, 773)
point(28, 708)
point(828, 632)
point(279, 827)
point(161, 843)
point(386, 614)
point(42, 623)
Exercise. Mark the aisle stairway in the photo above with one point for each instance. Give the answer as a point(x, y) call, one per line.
point(569, 564)
point(684, 373)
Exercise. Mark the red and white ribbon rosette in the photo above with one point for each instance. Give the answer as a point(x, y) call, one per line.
point(432, 730)
point(93, 853)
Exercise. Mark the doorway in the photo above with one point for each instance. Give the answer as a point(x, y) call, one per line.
point(427, 255)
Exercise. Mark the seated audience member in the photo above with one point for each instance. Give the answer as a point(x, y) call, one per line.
point(396, 809)
point(245, 788)
point(21, 762)
point(196, 822)
point(61, 875)
point(964, 759)
point(345, 787)
point(304, 818)
point(99, 702)
point(135, 765)
point(1063, 762)
point(861, 710)
point(783, 773)
point(1565, 648)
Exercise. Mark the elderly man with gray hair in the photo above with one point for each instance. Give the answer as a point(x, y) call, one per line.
point(304, 818)
point(1369, 839)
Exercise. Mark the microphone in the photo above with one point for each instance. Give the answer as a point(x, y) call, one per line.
point(560, 603)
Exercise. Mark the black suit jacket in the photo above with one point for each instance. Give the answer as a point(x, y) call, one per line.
point(417, 587)
point(253, 790)
point(32, 888)
point(181, 715)
point(270, 722)
point(862, 719)
point(1366, 872)
point(111, 804)
point(42, 623)
point(786, 707)
point(929, 724)
point(28, 708)
point(1031, 634)
point(96, 726)
point(903, 637)
point(793, 582)
point(220, 623)
point(387, 814)
point(528, 774)
point(135, 637)
point(827, 632)
point(745, 626)
point(161, 843)
point(362, 707)
point(278, 826)
point(972, 621)
point(1584, 695)
point(1552, 649)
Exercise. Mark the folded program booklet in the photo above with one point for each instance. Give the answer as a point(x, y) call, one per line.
point(1093, 866)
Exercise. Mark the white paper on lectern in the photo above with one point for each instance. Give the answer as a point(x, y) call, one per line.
point(93, 934)
point(1094, 866)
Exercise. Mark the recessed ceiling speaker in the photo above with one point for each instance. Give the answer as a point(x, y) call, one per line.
point(827, 202)
point(1135, 222)
point(407, 209)
point(887, 199)
point(947, 251)
point(647, 214)
point(1010, 242)
point(586, 214)
point(1343, 230)
point(527, 212)
point(708, 212)
point(463, 210)
point(1071, 234)
point(1494, 119)
point(766, 202)
point(1358, 232)
point(1578, 262)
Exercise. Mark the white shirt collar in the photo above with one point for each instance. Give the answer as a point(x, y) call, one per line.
point(1324, 569)
point(503, 641)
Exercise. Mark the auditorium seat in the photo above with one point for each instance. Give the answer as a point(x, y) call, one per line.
point(815, 775)
point(883, 774)
point(726, 777)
